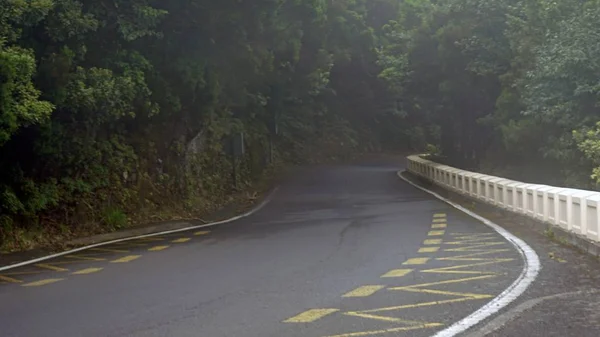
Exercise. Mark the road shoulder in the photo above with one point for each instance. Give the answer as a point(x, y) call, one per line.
point(235, 208)
point(565, 270)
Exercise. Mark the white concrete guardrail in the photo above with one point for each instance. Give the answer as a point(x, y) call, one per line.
point(576, 211)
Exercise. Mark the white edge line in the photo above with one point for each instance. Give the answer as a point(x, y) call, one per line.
point(237, 217)
point(531, 268)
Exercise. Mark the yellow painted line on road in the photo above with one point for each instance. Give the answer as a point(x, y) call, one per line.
point(438, 225)
point(42, 282)
point(363, 291)
point(428, 249)
point(387, 331)
point(472, 248)
point(419, 305)
point(9, 279)
point(472, 241)
point(469, 257)
point(125, 259)
point(456, 269)
point(437, 220)
point(107, 250)
point(420, 288)
point(83, 257)
point(441, 292)
point(157, 248)
point(493, 260)
point(439, 215)
point(51, 267)
point(416, 261)
point(433, 242)
point(472, 234)
point(63, 262)
point(436, 233)
point(397, 272)
point(475, 237)
point(201, 233)
point(310, 315)
point(152, 239)
point(382, 318)
point(23, 273)
point(181, 240)
point(458, 280)
point(130, 244)
point(87, 271)
point(69, 262)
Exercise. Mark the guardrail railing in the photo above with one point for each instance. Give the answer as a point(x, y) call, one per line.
point(574, 210)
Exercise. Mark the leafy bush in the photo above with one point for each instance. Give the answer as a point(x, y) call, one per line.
point(114, 218)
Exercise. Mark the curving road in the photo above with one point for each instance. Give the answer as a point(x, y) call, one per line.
point(339, 251)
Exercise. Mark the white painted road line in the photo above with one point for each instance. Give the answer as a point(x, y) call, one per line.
point(48, 257)
point(531, 268)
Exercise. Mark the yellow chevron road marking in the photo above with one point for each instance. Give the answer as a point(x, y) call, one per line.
point(84, 257)
point(151, 239)
point(460, 280)
point(416, 261)
point(471, 247)
point(23, 273)
point(9, 279)
point(456, 269)
point(125, 259)
point(87, 271)
point(446, 293)
point(472, 241)
point(472, 234)
point(129, 244)
point(382, 318)
point(51, 267)
point(157, 248)
point(397, 273)
point(181, 240)
point(474, 249)
point(465, 257)
point(42, 282)
point(108, 250)
point(428, 249)
point(363, 291)
point(310, 315)
point(417, 305)
point(386, 331)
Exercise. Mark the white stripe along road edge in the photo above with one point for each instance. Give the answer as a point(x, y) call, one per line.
point(531, 268)
point(48, 257)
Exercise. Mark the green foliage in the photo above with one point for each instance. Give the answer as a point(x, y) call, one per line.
point(19, 99)
point(588, 141)
point(114, 218)
point(506, 81)
point(124, 106)
point(432, 150)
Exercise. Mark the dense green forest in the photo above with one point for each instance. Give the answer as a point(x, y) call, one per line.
point(509, 87)
point(114, 108)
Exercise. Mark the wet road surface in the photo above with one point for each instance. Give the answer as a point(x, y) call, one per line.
point(341, 251)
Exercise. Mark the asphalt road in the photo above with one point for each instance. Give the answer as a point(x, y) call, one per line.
point(343, 251)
